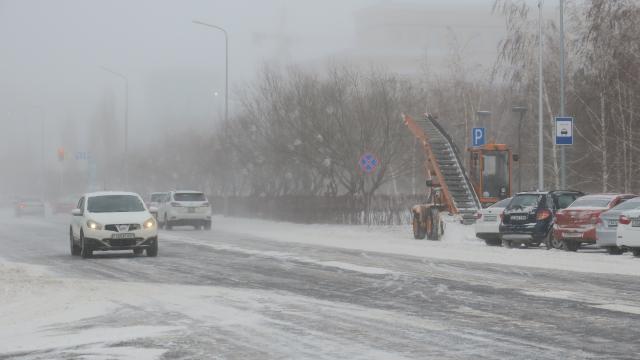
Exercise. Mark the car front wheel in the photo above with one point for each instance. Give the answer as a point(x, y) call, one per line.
point(75, 249)
point(152, 251)
point(85, 250)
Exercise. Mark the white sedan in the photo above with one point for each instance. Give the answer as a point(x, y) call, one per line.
point(628, 232)
point(488, 222)
point(112, 221)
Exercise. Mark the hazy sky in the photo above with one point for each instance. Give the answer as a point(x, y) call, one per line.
point(51, 52)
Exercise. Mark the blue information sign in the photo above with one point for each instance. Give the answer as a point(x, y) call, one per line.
point(564, 131)
point(477, 137)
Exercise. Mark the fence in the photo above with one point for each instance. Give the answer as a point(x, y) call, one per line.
point(382, 209)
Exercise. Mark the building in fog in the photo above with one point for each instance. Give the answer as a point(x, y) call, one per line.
point(405, 37)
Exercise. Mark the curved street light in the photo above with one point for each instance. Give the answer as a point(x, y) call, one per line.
point(226, 64)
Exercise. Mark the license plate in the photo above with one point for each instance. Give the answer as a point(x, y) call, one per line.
point(613, 223)
point(635, 223)
point(191, 210)
point(572, 235)
point(490, 218)
point(123, 236)
point(519, 217)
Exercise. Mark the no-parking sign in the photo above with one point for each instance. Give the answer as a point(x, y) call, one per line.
point(368, 163)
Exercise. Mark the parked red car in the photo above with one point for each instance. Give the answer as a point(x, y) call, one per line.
point(576, 224)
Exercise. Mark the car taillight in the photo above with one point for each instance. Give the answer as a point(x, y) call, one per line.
point(22, 206)
point(543, 214)
point(478, 215)
point(624, 220)
point(175, 204)
point(501, 216)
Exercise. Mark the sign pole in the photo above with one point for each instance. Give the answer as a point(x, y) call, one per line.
point(563, 160)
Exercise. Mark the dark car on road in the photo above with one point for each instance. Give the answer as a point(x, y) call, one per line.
point(529, 218)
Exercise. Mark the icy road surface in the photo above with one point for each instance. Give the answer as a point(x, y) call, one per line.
point(226, 294)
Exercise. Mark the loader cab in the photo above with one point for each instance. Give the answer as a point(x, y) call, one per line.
point(490, 172)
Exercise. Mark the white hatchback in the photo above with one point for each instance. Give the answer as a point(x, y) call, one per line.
point(112, 220)
point(185, 208)
point(628, 233)
point(488, 222)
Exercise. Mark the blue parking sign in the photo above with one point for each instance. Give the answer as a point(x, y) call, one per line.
point(564, 131)
point(477, 137)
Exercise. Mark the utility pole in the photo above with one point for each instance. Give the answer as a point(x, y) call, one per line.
point(226, 65)
point(540, 116)
point(563, 159)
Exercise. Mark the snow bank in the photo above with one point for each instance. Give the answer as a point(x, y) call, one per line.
point(459, 243)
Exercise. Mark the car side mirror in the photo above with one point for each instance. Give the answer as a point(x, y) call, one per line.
point(153, 209)
point(76, 212)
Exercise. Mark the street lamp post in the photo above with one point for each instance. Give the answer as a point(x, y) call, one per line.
point(126, 122)
point(226, 65)
point(540, 115)
point(520, 110)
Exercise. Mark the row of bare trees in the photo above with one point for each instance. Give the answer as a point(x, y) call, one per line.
point(603, 91)
point(299, 132)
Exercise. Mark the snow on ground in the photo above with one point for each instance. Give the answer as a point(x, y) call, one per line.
point(459, 243)
point(35, 306)
point(48, 316)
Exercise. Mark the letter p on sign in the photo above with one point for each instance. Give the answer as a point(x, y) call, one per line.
point(477, 137)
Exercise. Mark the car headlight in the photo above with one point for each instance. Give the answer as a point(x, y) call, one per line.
point(93, 225)
point(149, 223)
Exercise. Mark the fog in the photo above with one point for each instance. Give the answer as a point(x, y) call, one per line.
point(54, 87)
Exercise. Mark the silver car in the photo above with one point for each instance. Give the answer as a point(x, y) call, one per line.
point(606, 230)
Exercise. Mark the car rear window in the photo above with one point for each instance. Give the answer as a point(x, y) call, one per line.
point(629, 205)
point(525, 201)
point(501, 203)
point(114, 203)
point(591, 202)
point(565, 200)
point(157, 197)
point(189, 197)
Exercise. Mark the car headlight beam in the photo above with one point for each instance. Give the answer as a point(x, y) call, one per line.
point(149, 223)
point(93, 225)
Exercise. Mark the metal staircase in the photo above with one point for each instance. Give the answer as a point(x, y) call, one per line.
point(457, 187)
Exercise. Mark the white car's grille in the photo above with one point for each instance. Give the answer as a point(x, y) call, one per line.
point(122, 227)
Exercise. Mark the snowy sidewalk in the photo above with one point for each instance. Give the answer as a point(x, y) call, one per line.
point(459, 243)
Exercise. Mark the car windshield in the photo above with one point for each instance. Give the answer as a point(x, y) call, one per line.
point(189, 197)
point(114, 203)
point(157, 197)
point(591, 202)
point(628, 205)
point(525, 201)
point(501, 203)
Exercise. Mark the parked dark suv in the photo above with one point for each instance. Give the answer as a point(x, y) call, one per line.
point(529, 217)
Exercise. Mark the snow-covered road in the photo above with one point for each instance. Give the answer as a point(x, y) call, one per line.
point(232, 294)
